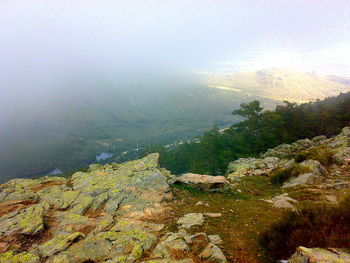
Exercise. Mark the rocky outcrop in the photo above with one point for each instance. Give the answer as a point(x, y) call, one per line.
point(252, 166)
point(99, 215)
point(201, 181)
point(111, 213)
point(304, 156)
point(310, 255)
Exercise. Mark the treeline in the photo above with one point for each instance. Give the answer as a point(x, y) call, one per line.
point(259, 131)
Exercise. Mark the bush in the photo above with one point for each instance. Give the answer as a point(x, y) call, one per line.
point(281, 175)
point(312, 226)
point(321, 153)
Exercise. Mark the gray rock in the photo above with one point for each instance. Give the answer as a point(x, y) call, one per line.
point(215, 239)
point(202, 181)
point(190, 220)
point(212, 253)
point(313, 166)
point(28, 221)
point(330, 255)
point(303, 179)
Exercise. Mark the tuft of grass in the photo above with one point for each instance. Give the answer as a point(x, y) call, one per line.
point(321, 153)
point(311, 226)
point(280, 176)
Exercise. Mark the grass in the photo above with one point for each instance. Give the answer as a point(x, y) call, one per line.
point(313, 225)
point(244, 215)
point(321, 153)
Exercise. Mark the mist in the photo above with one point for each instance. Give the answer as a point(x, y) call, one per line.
point(94, 69)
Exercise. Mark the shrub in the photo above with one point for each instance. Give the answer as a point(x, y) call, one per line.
point(281, 175)
point(321, 153)
point(311, 226)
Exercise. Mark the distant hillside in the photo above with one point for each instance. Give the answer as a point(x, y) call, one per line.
point(280, 84)
point(74, 128)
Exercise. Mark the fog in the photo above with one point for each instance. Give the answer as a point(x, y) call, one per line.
point(56, 55)
point(46, 44)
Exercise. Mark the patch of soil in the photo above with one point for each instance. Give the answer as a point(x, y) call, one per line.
point(45, 185)
point(11, 206)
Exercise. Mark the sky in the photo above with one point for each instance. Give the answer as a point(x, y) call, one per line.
point(45, 46)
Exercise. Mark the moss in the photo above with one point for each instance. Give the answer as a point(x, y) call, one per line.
point(321, 153)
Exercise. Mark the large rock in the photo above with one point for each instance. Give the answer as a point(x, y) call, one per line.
point(312, 166)
point(252, 167)
point(340, 155)
point(201, 181)
point(311, 255)
point(283, 201)
point(28, 221)
point(303, 179)
point(213, 253)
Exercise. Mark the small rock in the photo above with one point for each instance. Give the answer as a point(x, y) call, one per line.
point(332, 199)
point(191, 219)
point(199, 203)
point(213, 253)
point(215, 239)
point(213, 215)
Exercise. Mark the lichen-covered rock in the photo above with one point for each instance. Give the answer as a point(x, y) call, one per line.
point(125, 240)
point(213, 253)
point(28, 221)
point(312, 166)
point(303, 179)
point(201, 181)
point(60, 197)
point(340, 154)
point(311, 255)
point(59, 243)
point(252, 167)
point(23, 257)
point(190, 220)
point(173, 241)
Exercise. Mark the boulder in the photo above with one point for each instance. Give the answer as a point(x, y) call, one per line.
point(312, 166)
point(173, 242)
point(282, 201)
point(311, 255)
point(212, 253)
point(252, 167)
point(340, 155)
point(303, 179)
point(201, 181)
point(190, 220)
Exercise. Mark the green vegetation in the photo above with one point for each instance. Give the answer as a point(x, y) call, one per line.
point(280, 176)
point(322, 153)
point(259, 131)
point(311, 226)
